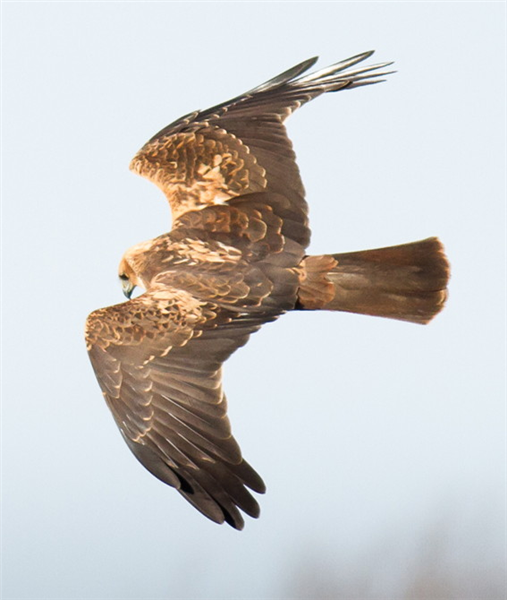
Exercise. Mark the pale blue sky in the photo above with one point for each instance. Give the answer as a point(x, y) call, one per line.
point(382, 443)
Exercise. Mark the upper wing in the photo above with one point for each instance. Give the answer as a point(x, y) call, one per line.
point(158, 361)
point(241, 146)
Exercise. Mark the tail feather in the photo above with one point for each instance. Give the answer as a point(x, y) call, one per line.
point(407, 282)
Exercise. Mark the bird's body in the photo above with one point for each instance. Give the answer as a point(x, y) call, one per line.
point(233, 260)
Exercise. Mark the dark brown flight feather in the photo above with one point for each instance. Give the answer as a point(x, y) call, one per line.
point(233, 260)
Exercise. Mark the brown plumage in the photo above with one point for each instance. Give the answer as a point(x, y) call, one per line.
point(233, 260)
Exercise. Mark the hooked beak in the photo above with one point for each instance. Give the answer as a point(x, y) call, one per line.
point(127, 288)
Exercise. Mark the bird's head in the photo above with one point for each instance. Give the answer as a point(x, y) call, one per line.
point(132, 268)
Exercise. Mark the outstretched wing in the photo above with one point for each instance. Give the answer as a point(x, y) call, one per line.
point(241, 146)
point(158, 360)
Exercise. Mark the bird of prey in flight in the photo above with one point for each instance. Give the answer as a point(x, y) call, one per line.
point(233, 260)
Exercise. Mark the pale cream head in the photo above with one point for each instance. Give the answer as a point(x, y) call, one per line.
point(131, 267)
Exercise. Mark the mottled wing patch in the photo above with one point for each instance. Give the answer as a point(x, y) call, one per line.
point(198, 168)
point(161, 311)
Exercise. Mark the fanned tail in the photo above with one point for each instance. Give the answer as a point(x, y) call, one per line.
point(407, 282)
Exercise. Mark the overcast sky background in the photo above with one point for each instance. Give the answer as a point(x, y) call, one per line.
point(382, 443)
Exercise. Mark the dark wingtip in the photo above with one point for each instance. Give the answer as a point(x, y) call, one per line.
point(286, 76)
point(236, 523)
point(365, 55)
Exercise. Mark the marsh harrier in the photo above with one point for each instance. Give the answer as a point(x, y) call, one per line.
point(233, 260)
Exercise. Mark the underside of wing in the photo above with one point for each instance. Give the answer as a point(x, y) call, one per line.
point(241, 146)
point(158, 360)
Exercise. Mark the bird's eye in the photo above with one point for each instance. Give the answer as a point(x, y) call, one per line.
point(123, 277)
